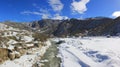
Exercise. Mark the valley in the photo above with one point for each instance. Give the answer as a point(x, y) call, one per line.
point(60, 43)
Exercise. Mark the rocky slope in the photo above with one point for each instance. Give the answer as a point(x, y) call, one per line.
point(16, 42)
point(91, 26)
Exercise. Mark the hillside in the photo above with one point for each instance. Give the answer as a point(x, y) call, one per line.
point(98, 26)
point(19, 43)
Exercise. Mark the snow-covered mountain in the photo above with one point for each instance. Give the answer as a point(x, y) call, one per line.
point(98, 26)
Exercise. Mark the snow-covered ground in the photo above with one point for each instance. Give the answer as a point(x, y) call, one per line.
point(27, 60)
point(90, 52)
point(78, 52)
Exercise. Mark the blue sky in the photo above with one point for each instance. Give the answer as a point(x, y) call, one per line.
point(29, 10)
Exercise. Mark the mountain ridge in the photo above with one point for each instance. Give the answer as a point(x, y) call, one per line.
point(98, 26)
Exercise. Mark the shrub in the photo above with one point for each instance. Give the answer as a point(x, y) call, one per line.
point(12, 37)
point(3, 40)
point(40, 37)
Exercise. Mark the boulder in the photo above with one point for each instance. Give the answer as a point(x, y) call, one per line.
point(3, 54)
point(17, 55)
point(11, 56)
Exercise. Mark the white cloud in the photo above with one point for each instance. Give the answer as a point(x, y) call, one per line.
point(56, 5)
point(116, 14)
point(29, 12)
point(45, 16)
point(43, 13)
point(79, 6)
point(58, 17)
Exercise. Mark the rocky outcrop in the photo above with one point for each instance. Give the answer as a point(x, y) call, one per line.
point(3, 54)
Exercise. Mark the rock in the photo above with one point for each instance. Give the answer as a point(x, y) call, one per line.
point(17, 55)
point(1, 60)
point(22, 51)
point(11, 56)
point(3, 54)
point(61, 41)
point(108, 36)
point(29, 53)
point(16, 48)
point(24, 46)
point(36, 44)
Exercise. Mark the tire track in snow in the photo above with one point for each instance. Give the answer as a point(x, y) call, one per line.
point(78, 60)
point(67, 55)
